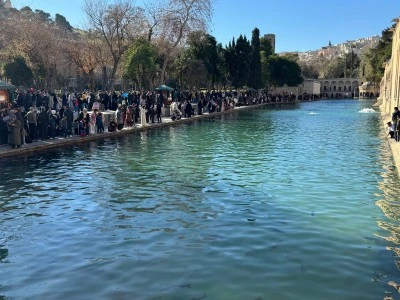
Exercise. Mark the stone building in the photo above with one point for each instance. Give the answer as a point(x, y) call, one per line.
point(311, 86)
point(369, 90)
point(390, 83)
point(271, 38)
point(340, 87)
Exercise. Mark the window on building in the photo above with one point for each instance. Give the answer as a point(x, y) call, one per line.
point(334, 88)
point(344, 88)
point(340, 88)
point(325, 88)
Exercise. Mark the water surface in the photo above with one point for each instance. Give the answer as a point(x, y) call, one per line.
point(294, 201)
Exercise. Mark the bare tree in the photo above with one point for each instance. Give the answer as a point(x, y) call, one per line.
point(181, 17)
point(115, 24)
point(152, 16)
point(39, 42)
point(82, 53)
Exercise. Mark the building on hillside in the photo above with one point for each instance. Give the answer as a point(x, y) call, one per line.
point(328, 52)
point(369, 90)
point(340, 87)
point(271, 38)
point(390, 83)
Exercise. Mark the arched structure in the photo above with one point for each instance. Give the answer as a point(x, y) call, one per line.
point(340, 87)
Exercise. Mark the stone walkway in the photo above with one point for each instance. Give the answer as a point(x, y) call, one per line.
point(41, 146)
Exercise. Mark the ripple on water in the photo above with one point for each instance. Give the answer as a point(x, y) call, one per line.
point(265, 204)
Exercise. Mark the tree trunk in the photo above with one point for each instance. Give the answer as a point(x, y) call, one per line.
point(113, 74)
point(164, 67)
point(91, 79)
point(104, 78)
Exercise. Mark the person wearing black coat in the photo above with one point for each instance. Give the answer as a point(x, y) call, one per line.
point(70, 120)
point(189, 109)
point(43, 123)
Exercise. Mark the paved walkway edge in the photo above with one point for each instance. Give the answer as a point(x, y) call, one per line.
point(37, 147)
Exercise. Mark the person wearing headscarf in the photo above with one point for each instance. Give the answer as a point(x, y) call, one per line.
point(53, 122)
point(14, 131)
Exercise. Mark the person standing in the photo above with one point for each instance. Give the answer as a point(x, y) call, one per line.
point(188, 109)
point(32, 123)
point(129, 117)
point(119, 118)
point(43, 122)
point(143, 116)
point(20, 118)
point(14, 138)
point(53, 121)
point(395, 117)
point(158, 111)
point(99, 122)
point(70, 120)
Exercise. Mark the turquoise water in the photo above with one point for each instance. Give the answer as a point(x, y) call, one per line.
point(298, 201)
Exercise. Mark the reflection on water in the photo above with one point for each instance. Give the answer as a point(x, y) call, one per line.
point(296, 201)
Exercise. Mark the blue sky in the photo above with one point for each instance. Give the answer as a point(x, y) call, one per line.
point(299, 25)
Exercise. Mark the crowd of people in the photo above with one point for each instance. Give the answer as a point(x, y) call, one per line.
point(38, 115)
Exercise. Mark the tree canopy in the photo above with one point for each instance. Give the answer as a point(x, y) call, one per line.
point(62, 22)
point(283, 71)
point(19, 73)
point(140, 63)
point(255, 76)
point(373, 61)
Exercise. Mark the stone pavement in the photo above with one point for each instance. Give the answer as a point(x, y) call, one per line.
point(41, 146)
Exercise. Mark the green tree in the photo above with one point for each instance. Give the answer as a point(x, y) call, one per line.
point(255, 77)
point(204, 47)
point(265, 52)
point(372, 62)
point(140, 63)
point(43, 16)
point(26, 9)
point(62, 22)
point(334, 68)
point(18, 72)
point(352, 65)
point(309, 70)
point(237, 60)
point(283, 71)
point(265, 47)
point(195, 74)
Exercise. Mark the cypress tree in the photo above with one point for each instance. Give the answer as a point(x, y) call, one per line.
point(255, 79)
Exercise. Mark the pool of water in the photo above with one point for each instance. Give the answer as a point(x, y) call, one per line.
point(296, 201)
